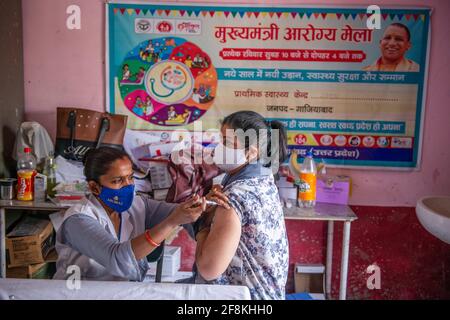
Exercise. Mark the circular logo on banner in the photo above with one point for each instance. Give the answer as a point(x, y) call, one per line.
point(340, 141)
point(300, 139)
point(164, 26)
point(383, 142)
point(167, 81)
point(354, 141)
point(326, 140)
point(368, 141)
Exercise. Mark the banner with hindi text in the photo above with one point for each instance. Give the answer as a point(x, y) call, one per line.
point(353, 94)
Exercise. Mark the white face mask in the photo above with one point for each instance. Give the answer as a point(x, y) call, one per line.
point(228, 159)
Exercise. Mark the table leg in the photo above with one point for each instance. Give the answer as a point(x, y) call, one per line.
point(344, 261)
point(329, 263)
point(2, 243)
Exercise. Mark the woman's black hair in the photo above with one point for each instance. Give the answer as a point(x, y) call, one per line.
point(97, 162)
point(250, 120)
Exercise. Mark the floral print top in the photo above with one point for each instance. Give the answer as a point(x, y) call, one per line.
point(262, 257)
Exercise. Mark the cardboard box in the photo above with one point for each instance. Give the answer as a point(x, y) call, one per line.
point(44, 270)
point(335, 189)
point(52, 256)
point(171, 262)
point(29, 242)
point(309, 278)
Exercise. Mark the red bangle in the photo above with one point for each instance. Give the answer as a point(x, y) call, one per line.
point(149, 239)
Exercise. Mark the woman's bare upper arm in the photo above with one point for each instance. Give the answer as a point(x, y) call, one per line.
point(221, 243)
point(226, 221)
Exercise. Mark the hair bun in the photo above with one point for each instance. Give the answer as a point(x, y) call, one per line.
point(87, 155)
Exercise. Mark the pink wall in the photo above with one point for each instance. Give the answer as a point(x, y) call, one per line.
point(66, 68)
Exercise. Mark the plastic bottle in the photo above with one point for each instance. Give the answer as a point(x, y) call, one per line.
point(26, 170)
point(308, 175)
point(50, 173)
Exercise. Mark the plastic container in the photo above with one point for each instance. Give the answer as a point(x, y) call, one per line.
point(39, 187)
point(7, 188)
point(171, 262)
point(308, 175)
point(26, 170)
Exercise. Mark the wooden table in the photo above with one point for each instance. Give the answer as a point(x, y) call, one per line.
point(19, 205)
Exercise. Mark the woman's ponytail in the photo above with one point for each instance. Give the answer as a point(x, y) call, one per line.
point(276, 128)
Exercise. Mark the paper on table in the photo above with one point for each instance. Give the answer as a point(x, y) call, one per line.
point(68, 170)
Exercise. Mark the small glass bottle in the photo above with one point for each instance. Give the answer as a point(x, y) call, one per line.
point(50, 172)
